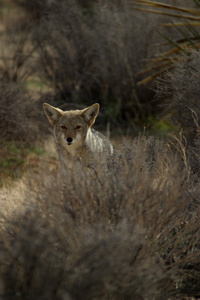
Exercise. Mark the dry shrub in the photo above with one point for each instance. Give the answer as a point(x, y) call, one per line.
point(95, 53)
point(181, 92)
point(127, 231)
point(21, 117)
point(36, 9)
point(17, 61)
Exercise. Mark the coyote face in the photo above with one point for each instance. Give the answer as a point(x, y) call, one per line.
point(70, 131)
point(74, 138)
point(70, 127)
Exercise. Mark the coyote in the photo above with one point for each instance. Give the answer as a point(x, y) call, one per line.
point(75, 139)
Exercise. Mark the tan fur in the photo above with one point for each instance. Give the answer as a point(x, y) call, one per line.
point(74, 138)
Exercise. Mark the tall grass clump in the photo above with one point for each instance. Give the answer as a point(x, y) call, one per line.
point(181, 93)
point(127, 231)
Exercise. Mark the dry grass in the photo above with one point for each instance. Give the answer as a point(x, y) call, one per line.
point(124, 232)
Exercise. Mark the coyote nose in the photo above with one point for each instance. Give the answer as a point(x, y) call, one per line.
point(69, 139)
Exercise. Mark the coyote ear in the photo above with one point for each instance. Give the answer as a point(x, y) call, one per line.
point(53, 114)
point(90, 113)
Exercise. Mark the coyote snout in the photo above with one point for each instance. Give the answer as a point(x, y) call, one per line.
point(69, 140)
point(74, 137)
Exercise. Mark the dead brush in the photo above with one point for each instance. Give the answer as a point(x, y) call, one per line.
point(17, 64)
point(20, 116)
point(94, 53)
point(111, 234)
point(17, 61)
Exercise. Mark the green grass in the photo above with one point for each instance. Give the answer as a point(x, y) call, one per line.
point(35, 85)
point(160, 127)
point(13, 159)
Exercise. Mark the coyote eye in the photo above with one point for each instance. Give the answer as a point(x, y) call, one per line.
point(63, 127)
point(78, 127)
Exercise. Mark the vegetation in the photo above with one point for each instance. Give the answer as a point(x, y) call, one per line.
point(129, 228)
point(13, 159)
point(187, 26)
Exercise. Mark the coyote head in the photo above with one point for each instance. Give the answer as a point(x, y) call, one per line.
point(70, 127)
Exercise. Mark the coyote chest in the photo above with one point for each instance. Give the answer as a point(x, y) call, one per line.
point(75, 139)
